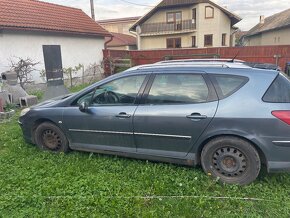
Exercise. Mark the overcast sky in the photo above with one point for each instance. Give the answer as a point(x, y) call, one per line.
point(249, 10)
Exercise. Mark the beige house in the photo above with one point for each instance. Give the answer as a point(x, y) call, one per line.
point(274, 30)
point(186, 24)
point(119, 25)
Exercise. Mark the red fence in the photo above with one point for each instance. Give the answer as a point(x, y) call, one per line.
point(264, 54)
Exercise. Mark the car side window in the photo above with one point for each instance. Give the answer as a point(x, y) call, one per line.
point(178, 89)
point(279, 90)
point(227, 85)
point(85, 98)
point(120, 91)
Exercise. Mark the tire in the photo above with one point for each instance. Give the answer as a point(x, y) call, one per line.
point(50, 137)
point(231, 159)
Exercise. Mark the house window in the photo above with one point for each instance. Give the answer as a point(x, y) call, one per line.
point(174, 17)
point(224, 38)
point(194, 41)
point(209, 12)
point(208, 40)
point(194, 15)
point(174, 43)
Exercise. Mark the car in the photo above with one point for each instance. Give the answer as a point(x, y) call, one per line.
point(224, 115)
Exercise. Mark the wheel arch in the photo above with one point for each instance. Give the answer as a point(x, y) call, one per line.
point(201, 146)
point(37, 123)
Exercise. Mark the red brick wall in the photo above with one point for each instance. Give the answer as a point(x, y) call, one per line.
point(264, 54)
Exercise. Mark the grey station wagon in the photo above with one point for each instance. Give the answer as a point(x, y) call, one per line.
point(226, 116)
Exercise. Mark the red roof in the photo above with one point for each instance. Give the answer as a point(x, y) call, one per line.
point(35, 15)
point(120, 39)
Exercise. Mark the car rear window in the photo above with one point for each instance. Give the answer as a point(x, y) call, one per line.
point(226, 85)
point(279, 91)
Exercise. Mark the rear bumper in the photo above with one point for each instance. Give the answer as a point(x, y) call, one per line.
point(277, 152)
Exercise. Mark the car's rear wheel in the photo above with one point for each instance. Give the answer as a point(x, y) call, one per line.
point(50, 137)
point(231, 159)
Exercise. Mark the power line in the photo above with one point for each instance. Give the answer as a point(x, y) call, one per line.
point(132, 3)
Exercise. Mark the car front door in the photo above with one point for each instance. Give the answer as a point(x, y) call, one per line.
point(107, 122)
point(175, 112)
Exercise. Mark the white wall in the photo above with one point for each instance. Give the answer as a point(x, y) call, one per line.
point(75, 49)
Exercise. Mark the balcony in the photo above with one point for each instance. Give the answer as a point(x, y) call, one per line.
point(168, 28)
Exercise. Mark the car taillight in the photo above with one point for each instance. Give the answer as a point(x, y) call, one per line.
point(282, 115)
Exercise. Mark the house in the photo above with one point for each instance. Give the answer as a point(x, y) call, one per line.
point(119, 28)
point(240, 37)
point(121, 42)
point(34, 29)
point(185, 24)
point(119, 25)
point(273, 30)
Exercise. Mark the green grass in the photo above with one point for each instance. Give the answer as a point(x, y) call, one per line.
point(38, 93)
point(43, 184)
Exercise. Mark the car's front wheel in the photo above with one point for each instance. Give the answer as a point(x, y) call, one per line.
point(231, 159)
point(50, 137)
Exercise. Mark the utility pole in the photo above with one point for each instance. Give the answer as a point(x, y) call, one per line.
point(93, 10)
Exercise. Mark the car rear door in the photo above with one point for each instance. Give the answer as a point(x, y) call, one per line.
point(176, 109)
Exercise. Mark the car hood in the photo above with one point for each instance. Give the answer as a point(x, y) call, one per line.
point(53, 102)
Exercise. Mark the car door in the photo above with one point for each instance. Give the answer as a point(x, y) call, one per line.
point(176, 110)
point(107, 122)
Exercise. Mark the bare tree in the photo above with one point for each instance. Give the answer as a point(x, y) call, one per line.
point(23, 68)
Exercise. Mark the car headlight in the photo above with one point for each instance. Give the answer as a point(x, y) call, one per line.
point(24, 111)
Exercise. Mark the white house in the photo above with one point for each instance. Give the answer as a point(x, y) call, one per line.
point(28, 26)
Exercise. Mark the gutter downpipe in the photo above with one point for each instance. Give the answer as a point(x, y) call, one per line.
point(106, 43)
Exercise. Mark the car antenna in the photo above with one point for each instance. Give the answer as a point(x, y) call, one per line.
point(232, 61)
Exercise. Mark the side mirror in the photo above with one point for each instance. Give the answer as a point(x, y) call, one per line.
point(84, 106)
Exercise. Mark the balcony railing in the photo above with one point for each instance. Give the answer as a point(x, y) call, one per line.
point(153, 28)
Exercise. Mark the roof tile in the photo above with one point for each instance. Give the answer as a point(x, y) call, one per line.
point(275, 21)
point(120, 39)
point(42, 16)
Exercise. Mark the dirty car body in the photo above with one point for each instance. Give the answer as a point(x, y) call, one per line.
point(228, 117)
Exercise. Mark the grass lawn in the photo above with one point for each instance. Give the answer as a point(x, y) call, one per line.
point(42, 184)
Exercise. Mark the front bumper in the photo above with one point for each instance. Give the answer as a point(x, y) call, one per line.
point(26, 132)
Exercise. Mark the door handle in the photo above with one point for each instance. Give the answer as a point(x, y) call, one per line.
point(196, 116)
point(123, 115)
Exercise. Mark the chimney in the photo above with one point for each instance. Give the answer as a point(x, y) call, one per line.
point(262, 19)
point(93, 9)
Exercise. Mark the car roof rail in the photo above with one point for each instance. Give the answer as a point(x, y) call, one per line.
point(201, 60)
point(185, 64)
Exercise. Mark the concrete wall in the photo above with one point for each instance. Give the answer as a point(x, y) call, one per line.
point(276, 37)
point(75, 49)
point(218, 25)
